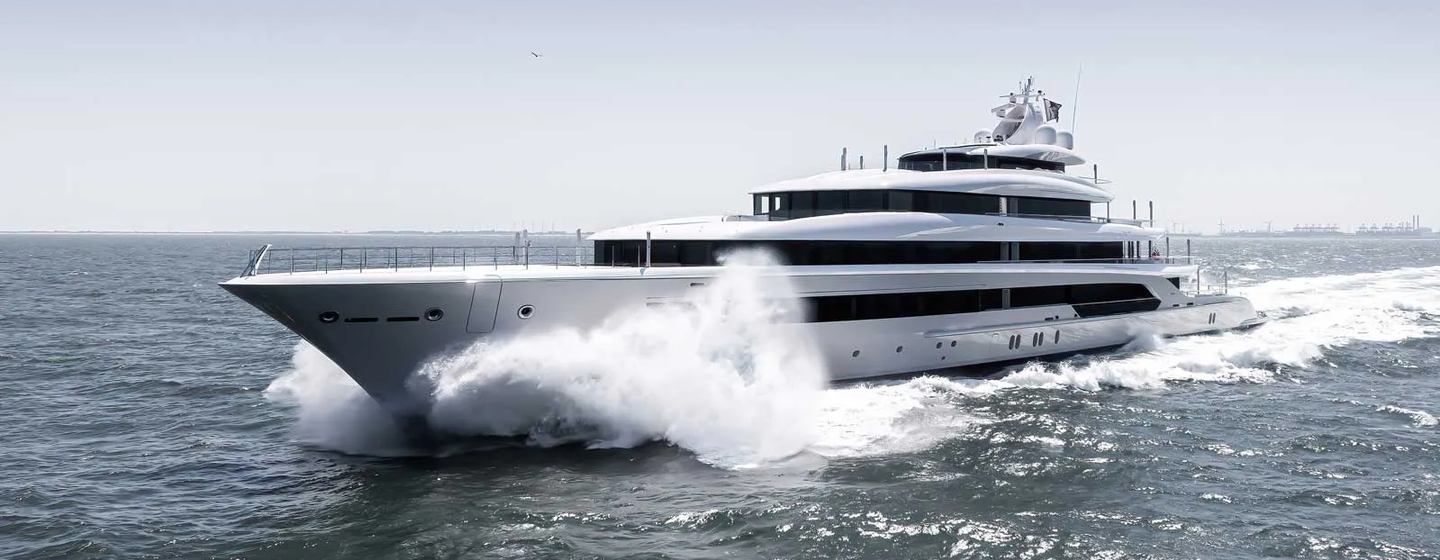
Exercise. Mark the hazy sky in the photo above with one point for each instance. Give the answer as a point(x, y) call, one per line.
point(252, 115)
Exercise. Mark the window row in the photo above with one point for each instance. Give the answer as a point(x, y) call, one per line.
point(805, 204)
point(934, 161)
point(1088, 300)
point(812, 253)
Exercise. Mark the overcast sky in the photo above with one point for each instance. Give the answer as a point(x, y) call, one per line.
point(262, 115)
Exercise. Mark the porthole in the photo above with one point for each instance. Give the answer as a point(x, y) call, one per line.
point(855, 354)
point(898, 349)
point(434, 314)
point(329, 317)
point(526, 311)
point(937, 345)
point(952, 344)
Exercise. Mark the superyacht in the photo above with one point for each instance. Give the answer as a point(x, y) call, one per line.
point(979, 253)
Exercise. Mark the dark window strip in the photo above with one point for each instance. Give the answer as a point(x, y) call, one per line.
point(817, 253)
point(1089, 300)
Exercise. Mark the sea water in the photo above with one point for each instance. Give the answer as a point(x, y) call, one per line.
point(148, 413)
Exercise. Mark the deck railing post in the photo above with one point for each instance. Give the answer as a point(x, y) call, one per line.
point(647, 249)
point(432, 258)
point(527, 253)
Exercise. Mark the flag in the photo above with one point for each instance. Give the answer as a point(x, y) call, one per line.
point(1052, 110)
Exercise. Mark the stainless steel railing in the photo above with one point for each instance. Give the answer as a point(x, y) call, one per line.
point(271, 260)
point(1216, 286)
point(1066, 218)
point(1108, 260)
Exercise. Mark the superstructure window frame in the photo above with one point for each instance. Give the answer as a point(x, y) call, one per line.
point(804, 204)
point(664, 252)
point(1088, 300)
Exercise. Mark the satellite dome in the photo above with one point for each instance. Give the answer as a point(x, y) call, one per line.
point(1045, 134)
point(1065, 139)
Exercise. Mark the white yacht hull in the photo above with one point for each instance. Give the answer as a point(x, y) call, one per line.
point(383, 337)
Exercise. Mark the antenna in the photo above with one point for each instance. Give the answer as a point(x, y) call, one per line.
point(1075, 101)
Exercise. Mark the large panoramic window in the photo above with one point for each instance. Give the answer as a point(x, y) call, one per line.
point(1045, 251)
point(1050, 207)
point(811, 253)
point(803, 204)
point(1089, 300)
point(935, 161)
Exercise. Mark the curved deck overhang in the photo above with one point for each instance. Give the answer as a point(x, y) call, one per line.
point(881, 226)
point(996, 182)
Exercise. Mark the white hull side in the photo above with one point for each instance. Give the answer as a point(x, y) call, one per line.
point(383, 355)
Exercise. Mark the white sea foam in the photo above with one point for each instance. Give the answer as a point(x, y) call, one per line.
point(1417, 417)
point(727, 379)
point(333, 411)
point(726, 382)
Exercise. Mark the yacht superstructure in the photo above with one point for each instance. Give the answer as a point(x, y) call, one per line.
point(959, 255)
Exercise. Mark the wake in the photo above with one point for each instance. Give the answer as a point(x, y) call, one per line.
point(725, 381)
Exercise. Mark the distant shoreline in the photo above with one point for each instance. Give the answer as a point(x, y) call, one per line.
point(281, 232)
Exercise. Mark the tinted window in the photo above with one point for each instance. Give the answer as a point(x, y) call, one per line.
point(900, 201)
point(887, 306)
point(974, 160)
point(866, 201)
point(802, 204)
point(1051, 207)
point(807, 253)
point(829, 202)
point(780, 206)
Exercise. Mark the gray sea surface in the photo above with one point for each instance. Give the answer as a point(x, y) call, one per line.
point(139, 418)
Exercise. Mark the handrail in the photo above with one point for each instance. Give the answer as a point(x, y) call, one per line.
point(1068, 218)
point(291, 260)
point(253, 263)
point(1107, 260)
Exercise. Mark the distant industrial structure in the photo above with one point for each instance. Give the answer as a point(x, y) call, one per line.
point(1409, 229)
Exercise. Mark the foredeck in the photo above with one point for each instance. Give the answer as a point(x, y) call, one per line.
point(291, 260)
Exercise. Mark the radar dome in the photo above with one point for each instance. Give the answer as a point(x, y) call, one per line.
point(983, 136)
point(1045, 134)
point(1065, 139)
